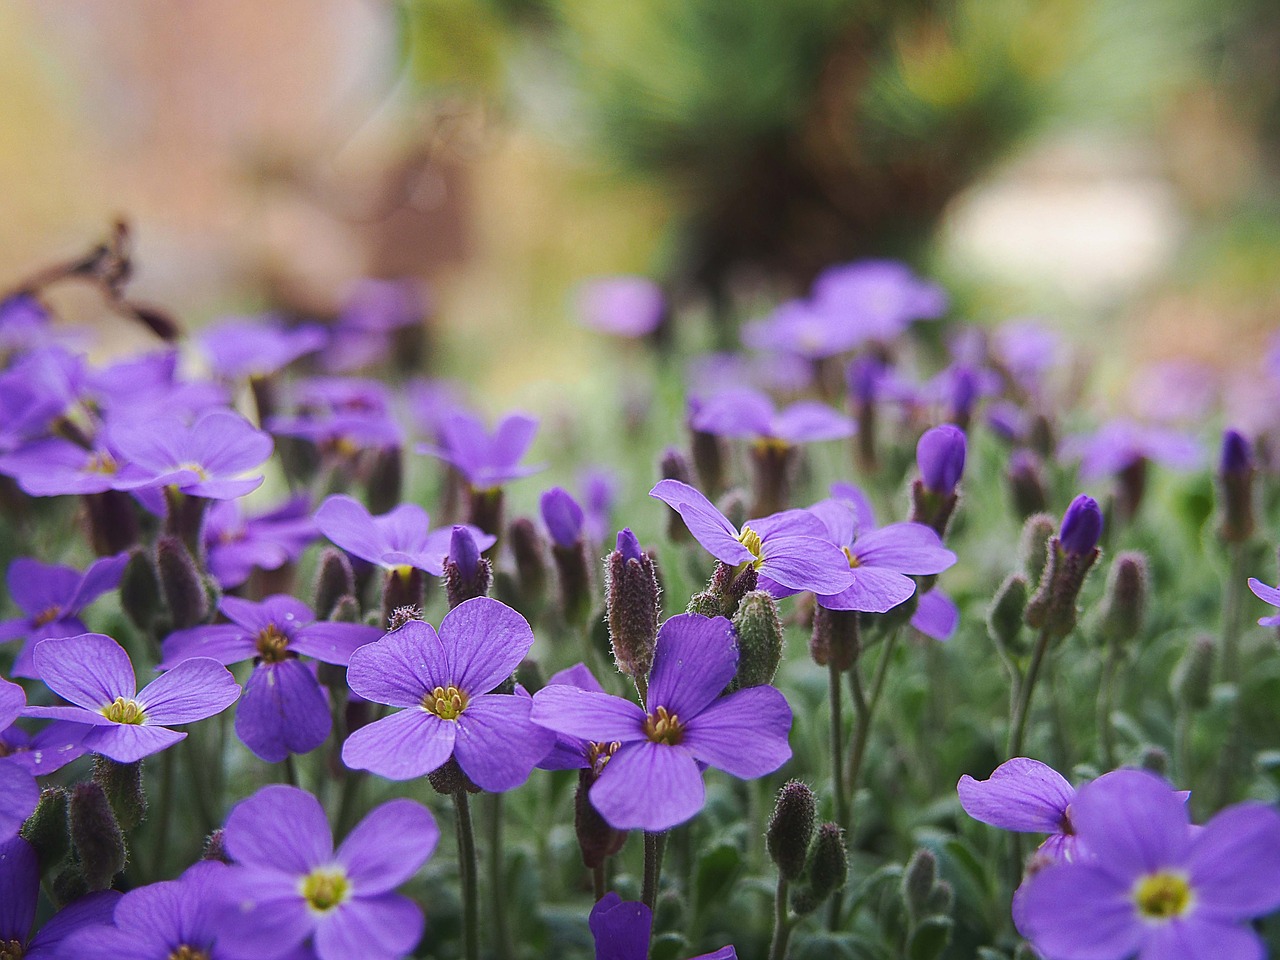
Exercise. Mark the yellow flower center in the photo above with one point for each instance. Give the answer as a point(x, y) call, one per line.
point(195, 468)
point(325, 888)
point(101, 462)
point(663, 727)
point(854, 562)
point(751, 540)
point(598, 755)
point(1162, 896)
point(10, 950)
point(272, 644)
point(122, 710)
point(185, 952)
point(445, 702)
point(47, 616)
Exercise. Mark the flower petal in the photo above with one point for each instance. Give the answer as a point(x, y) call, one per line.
point(127, 742)
point(374, 928)
point(401, 668)
point(1132, 821)
point(333, 642)
point(403, 746)
point(696, 657)
point(620, 929)
point(12, 699)
point(90, 670)
point(707, 524)
point(936, 615)
point(1078, 911)
point(595, 716)
point(905, 547)
point(1197, 939)
point(347, 523)
point(1021, 794)
point(873, 591)
point(191, 691)
point(225, 642)
point(388, 846)
point(279, 828)
point(1235, 863)
point(649, 786)
point(806, 563)
point(19, 794)
point(19, 885)
point(484, 640)
point(744, 734)
point(497, 745)
point(283, 711)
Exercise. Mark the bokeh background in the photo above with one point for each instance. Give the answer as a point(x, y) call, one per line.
point(1109, 165)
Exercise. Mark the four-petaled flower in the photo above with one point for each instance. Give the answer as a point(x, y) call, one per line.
point(486, 460)
point(744, 412)
point(207, 458)
point(395, 540)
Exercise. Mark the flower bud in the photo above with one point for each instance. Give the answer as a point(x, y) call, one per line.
point(734, 506)
point(940, 456)
point(708, 603)
point(1025, 477)
point(1081, 526)
point(467, 575)
point(140, 590)
point(485, 511)
point(448, 779)
point(1033, 546)
point(1004, 616)
point(122, 784)
point(674, 466)
point(791, 829)
point(113, 522)
point(529, 550)
point(1124, 602)
point(1236, 472)
point(708, 461)
point(918, 881)
point(1155, 759)
point(826, 871)
point(596, 839)
point(773, 465)
point(385, 478)
point(403, 588)
point(215, 847)
point(632, 606)
point(575, 581)
point(1071, 554)
point(759, 630)
point(834, 639)
point(181, 585)
point(1192, 679)
point(402, 615)
point(563, 517)
point(46, 828)
point(731, 587)
point(334, 580)
point(96, 834)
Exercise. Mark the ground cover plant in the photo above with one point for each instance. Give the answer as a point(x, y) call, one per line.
point(867, 638)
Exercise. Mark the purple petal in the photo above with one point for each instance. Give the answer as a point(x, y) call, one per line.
point(1194, 938)
point(705, 522)
point(19, 794)
point(485, 640)
point(374, 928)
point(283, 711)
point(497, 745)
point(1078, 911)
point(279, 610)
point(838, 519)
point(1132, 821)
point(12, 699)
point(261, 914)
point(76, 715)
point(90, 670)
point(279, 828)
point(744, 734)
point(36, 587)
point(191, 691)
point(620, 929)
point(1021, 794)
point(19, 884)
point(403, 746)
point(579, 675)
point(388, 846)
point(905, 547)
point(512, 438)
point(1260, 590)
point(873, 591)
point(696, 658)
point(348, 524)
point(810, 421)
point(591, 714)
point(936, 615)
point(91, 910)
point(806, 563)
point(48, 750)
point(1235, 863)
point(224, 642)
point(127, 742)
point(333, 642)
point(789, 523)
point(562, 515)
point(401, 668)
point(736, 412)
point(649, 786)
point(102, 575)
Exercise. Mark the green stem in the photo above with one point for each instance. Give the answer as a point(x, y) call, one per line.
point(1182, 747)
point(598, 886)
point(782, 924)
point(865, 709)
point(164, 807)
point(654, 846)
point(837, 753)
point(347, 804)
point(1231, 606)
point(467, 872)
point(290, 770)
point(1022, 707)
point(497, 878)
point(1106, 705)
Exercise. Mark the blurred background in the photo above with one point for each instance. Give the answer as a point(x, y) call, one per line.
point(1110, 165)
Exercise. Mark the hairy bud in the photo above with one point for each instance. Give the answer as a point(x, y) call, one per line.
point(1004, 616)
point(334, 580)
point(834, 639)
point(385, 478)
point(1236, 473)
point(467, 574)
point(791, 829)
point(215, 847)
point(529, 551)
point(140, 595)
point(759, 630)
point(98, 840)
point(632, 605)
point(122, 784)
point(1033, 546)
point(1124, 602)
point(1025, 476)
point(1192, 679)
point(46, 828)
point(181, 584)
point(596, 839)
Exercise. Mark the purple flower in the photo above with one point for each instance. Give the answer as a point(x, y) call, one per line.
point(798, 327)
point(283, 710)
point(19, 792)
point(345, 414)
point(570, 752)
point(1081, 525)
point(288, 885)
point(1269, 595)
point(52, 598)
point(880, 297)
point(712, 373)
point(139, 386)
point(19, 894)
point(625, 306)
point(252, 348)
point(652, 778)
point(1027, 350)
point(45, 751)
point(446, 682)
point(239, 544)
point(882, 561)
point(375, 310)
point(599, 491)
point(207, 458)
point(1026, 796)
point(95, 674)
point(24, 323)
point(1122, 443)
point(940, 457)
point(1237, 453)
point(394, 540)
point(1151, 884)
point(430, 402)
point(563, 517)
point(621, 930)
point(788, 548)
point(54, 467)
point(486, 460)
point(744, 412)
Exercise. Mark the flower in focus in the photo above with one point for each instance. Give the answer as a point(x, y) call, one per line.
point(445, 682)
point(652, 777)
point(52, 598)
point(1151, 884)
point(788, 548)
point(288, 885)
point(95, 674)
point(1025, 796)
point(283, 710)
point(207, 458)
point(391, 540)
point(621, 929)
point(19, 896)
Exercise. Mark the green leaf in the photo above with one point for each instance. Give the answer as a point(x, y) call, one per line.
point(717, 869)
point(930, 939)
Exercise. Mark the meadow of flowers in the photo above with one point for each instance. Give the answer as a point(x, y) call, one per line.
point(869, 638)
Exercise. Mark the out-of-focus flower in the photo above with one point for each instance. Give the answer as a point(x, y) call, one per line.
point(744, 412)
point(390, 540)
point(249, 347)
point(487, 460)
point(95, 674)
point(652, 779)
point(1269, 595)
point(625, 306)
point(207, 458)
point(1119, 444)
point(238, 544)
point(879, 298)
point(940, 457)
point(374, 311)
point(799, 328)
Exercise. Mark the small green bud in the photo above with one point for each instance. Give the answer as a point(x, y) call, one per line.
point(707, 604)
point(181, 584)
point(1033, 545)
point(46, 828)
point(1192, 678)
point(95, 832)
point(791, 829)
point(69, 884)
point(122, 783)
point(1004, 616)
point(941, 900)
point(346, 610)
point(334, 580)
point(829, 867)
point(1124, 601)
point(918, 880)
point(759, 630)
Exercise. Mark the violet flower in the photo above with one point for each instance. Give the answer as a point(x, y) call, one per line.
point(247, 347)
point(940, 457)
point(1025, 796)
point(95, 674)
point(1269, 595)
point(430, 402)
point(374, 311)
point(207, 458)
point(1119, 444)
point(570, 752)
point(54, 467)
point(288, 886)
point(24, 323)
point(19, 792)
point(882, 562)
point(599, 491)
point(880, 297)
point(625, 306)
point(52, 598)
point(799, 328)
point(563, 517)
point(345, 414)
point(446, 682)
point(788, 548)
point(238, 544)
point(395, 540)
point(138, 386)
point(1152, 884)
point(652, 777)
point(47, 750)
point(622, 928)
point(744, 412)
point(19, 896)
point(1081, 526)
point(283, 710)
point(486, 460)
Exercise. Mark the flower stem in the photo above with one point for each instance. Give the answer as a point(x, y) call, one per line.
point(1022, 706)
point(837, 753)
point(654, 846)
point(865, 708)
point(1106, 704)
point(782, 923)
point(467, 871)
point(1232, 602)
point(598, 889)
point(497, 878)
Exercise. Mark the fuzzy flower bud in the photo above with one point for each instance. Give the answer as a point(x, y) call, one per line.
point(46, 828)
point(1124, 602)
point(834, 639)
point(113, 522)
point(1071, 554)
point(575, 581)
point(1004, 616)
point(791, 829)
point(404, 588)
point(385, 479)
point(1033, 546)
point(99, 843)
point(1025, 476)
point(334, 580)
point(596, 839)
point(918, 881)
point(827, 869)
point(215, 847)
point(180, 583)
point(759, 630)
point(1081, 526)
point(529, 550)
point(632, 606)
point(1235, 489)
point(1192, 678)
point(466, 573)
point(122, 783)
point(140, 595)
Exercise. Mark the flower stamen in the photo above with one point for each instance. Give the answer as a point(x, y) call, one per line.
point(445, 702)
point(124, 710)
point(1162, 896)
point(325, 888)
point(272, 644)
point(663, 727)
